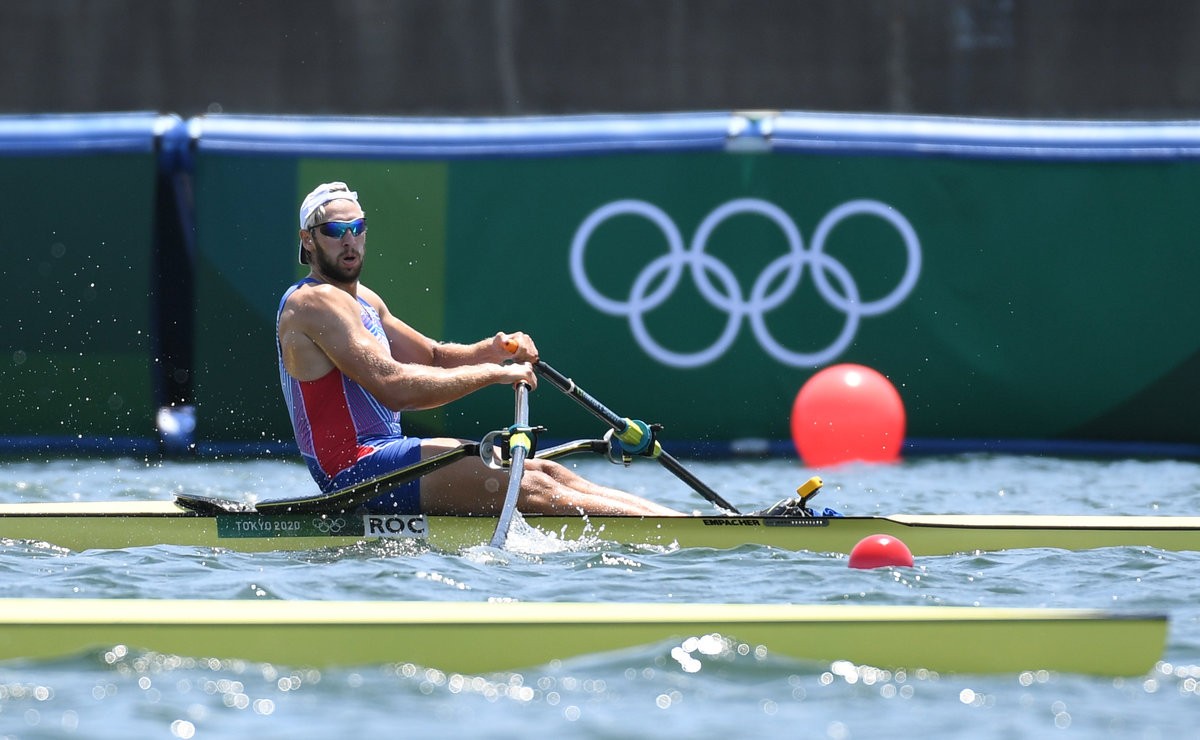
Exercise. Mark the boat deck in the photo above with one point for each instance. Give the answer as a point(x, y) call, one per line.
point(108, 525)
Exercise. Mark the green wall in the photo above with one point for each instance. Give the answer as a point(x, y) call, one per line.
point(75, 344)
point(1050, 300)
point(1016, 281)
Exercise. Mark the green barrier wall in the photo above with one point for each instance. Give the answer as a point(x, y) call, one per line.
point(1051, 300)
point(1048, 297)
point(1016, 281)
point(75, 332)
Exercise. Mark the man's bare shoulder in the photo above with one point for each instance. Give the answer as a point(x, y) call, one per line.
point(314, 309)
point(317, 297)
point(372, 298)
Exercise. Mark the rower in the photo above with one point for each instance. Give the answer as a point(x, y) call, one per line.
point(348, 367)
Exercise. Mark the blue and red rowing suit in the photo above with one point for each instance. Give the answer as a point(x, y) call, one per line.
point(345, 435)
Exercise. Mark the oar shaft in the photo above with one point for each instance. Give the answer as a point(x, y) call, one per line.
point(620, 424)
point(697, 485)
point(582, 397)
point(353, 496)
point(519, 445)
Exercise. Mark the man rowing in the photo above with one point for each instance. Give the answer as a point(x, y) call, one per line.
point(349, 367)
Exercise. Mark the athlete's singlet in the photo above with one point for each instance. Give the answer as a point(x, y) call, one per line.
point(345, 435)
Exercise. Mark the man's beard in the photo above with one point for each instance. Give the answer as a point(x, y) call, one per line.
point(335, 270)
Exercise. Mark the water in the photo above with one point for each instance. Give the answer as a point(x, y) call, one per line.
point(651, 691)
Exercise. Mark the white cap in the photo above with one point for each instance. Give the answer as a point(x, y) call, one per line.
point(321, 195)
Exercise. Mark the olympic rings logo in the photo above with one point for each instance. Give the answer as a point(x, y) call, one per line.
point(667, 270)
point(329, 526)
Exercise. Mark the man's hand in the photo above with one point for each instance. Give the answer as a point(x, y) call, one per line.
point(521, 372)
point(518, 346)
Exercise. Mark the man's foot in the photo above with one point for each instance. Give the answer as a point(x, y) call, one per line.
point(791, 506)
point(795, 506)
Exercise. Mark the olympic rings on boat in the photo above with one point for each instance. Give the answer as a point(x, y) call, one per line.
point(329, 526)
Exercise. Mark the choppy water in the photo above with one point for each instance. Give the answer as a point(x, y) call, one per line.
point(645, 692)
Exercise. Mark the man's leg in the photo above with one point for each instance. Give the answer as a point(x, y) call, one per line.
point(470, 487)
point(388, 457)
point(596, 494)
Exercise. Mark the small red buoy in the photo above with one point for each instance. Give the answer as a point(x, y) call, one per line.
point(880, 551)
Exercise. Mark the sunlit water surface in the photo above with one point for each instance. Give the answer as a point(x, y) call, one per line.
point(653, 691)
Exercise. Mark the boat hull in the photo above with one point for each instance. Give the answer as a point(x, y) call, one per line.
point(85, 526)
point(481, 637)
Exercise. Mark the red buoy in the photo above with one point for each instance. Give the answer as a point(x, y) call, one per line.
point(880, 551)
point(845, 413)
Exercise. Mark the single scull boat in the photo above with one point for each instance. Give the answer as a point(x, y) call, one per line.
point(336, 519)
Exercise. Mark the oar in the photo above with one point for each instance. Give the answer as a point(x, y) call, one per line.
point(635, 435)
point(519, 444)
point(341, 500)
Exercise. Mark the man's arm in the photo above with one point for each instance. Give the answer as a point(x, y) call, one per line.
point(409, 345)
point(323, 320)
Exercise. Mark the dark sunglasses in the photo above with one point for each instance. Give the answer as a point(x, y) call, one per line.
point(338, 229)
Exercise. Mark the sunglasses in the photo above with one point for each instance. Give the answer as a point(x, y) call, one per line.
point(338, 229)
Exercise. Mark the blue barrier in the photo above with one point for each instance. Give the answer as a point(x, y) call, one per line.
point(982, 137)
point(103, 133)
point(451, 138)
